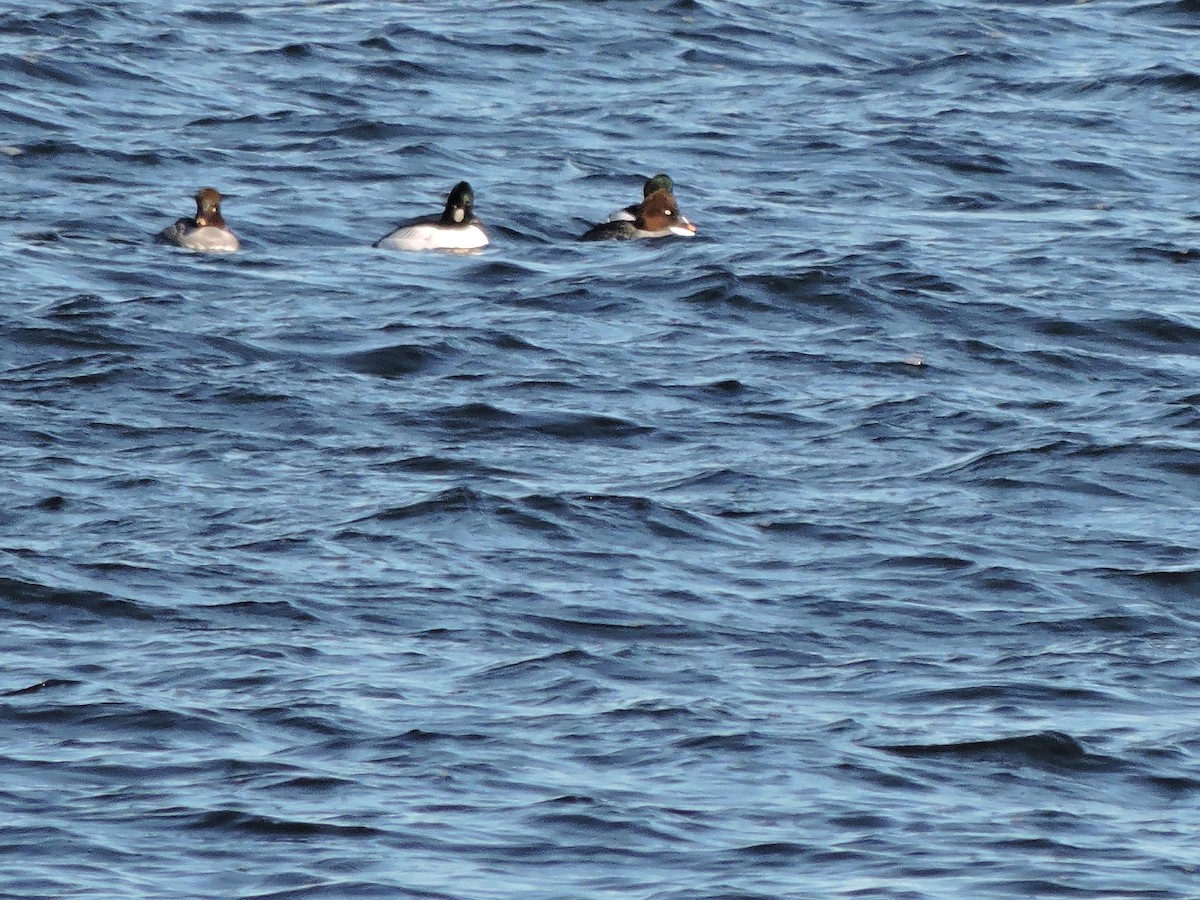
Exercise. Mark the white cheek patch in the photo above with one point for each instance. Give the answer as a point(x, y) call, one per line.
point(459, 212)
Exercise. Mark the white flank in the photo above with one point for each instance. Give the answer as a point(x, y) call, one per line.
point(434, 237)
point(209, 239)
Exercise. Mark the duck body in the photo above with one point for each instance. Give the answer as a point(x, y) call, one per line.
point(657, 215)
point(206, 231)
point(206, 238)
point(613, 230)
point(457, 228)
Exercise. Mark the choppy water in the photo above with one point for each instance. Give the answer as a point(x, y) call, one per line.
point(653, 570)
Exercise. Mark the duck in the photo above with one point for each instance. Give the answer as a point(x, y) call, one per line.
point(657, 215)
point(457, 228)
point(659, 182)
point(206, 231)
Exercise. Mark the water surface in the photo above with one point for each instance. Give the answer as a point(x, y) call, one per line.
point(847, 549)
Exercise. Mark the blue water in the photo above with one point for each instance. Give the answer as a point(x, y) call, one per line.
point(849, 549)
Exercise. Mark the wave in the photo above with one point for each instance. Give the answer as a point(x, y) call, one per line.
point(1046, 748)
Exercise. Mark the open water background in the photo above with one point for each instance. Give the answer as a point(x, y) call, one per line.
point(656, 570)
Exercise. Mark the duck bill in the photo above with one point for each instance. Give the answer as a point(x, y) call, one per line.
point(683, 228)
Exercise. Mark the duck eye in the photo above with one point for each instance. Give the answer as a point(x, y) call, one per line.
point(670, 212)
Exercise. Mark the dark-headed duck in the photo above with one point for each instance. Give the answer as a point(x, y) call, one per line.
point(457, 228)
point(656, 216)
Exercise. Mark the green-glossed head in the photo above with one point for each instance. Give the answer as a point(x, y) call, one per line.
point(659, 182)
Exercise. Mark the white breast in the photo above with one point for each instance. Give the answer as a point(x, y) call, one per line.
point(434, 237)
point(209, 238)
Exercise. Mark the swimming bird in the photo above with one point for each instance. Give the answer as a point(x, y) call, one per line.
point(457, 228)
point(656, 216)
point(206, 231)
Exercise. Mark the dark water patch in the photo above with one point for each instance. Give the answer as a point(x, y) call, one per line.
point(296, 51)
point(506, 341)
point(15, 117)
point(592, 826)
point(637, 629)
point(437, 465)
point(631, 514)
point(803, 528)
point(589, 427)
point(397, 361)
point(1179, 255)
point(420, 737)
point(514, 48)
point(101, 338)
point(971, 202)
point(726, 387)
point(1155, 330)
point(31, 152)
point(462, 505)
point(42, 602)
point(142, 723)
point(309, 784)
point(652, 711)
point(482, 418)
point(708, 478)
point(1175, 14)
point(1175, 786)
point(257, 825)
point(370, 132)
point(1007, 692)
point(821, 289)
point(217, 17)
point(1148, 626)
point(774, 850)
point(939, 563)
point(379, 43)
point(209, 123)
point(80, 306)
point(1088, 175)
point(907, 282)
point(410, 35)
point(954, 159)
point(1173, 584)
point(44, 685)
point(1043, 887)
point(72, 153)
point(1167, 78)
point(235, 396)
point(270, 609)
point(396, 70)
point(561, 672)
point(500, 271)
point(1048, 748)
point(738, 743)
point(63, 73)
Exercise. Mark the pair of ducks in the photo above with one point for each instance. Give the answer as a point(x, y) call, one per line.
point(457, 228)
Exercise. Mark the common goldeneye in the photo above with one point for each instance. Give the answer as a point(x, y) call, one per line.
point(659, 182)
point(656, 216)
point(206, 230)
point(457, 228)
